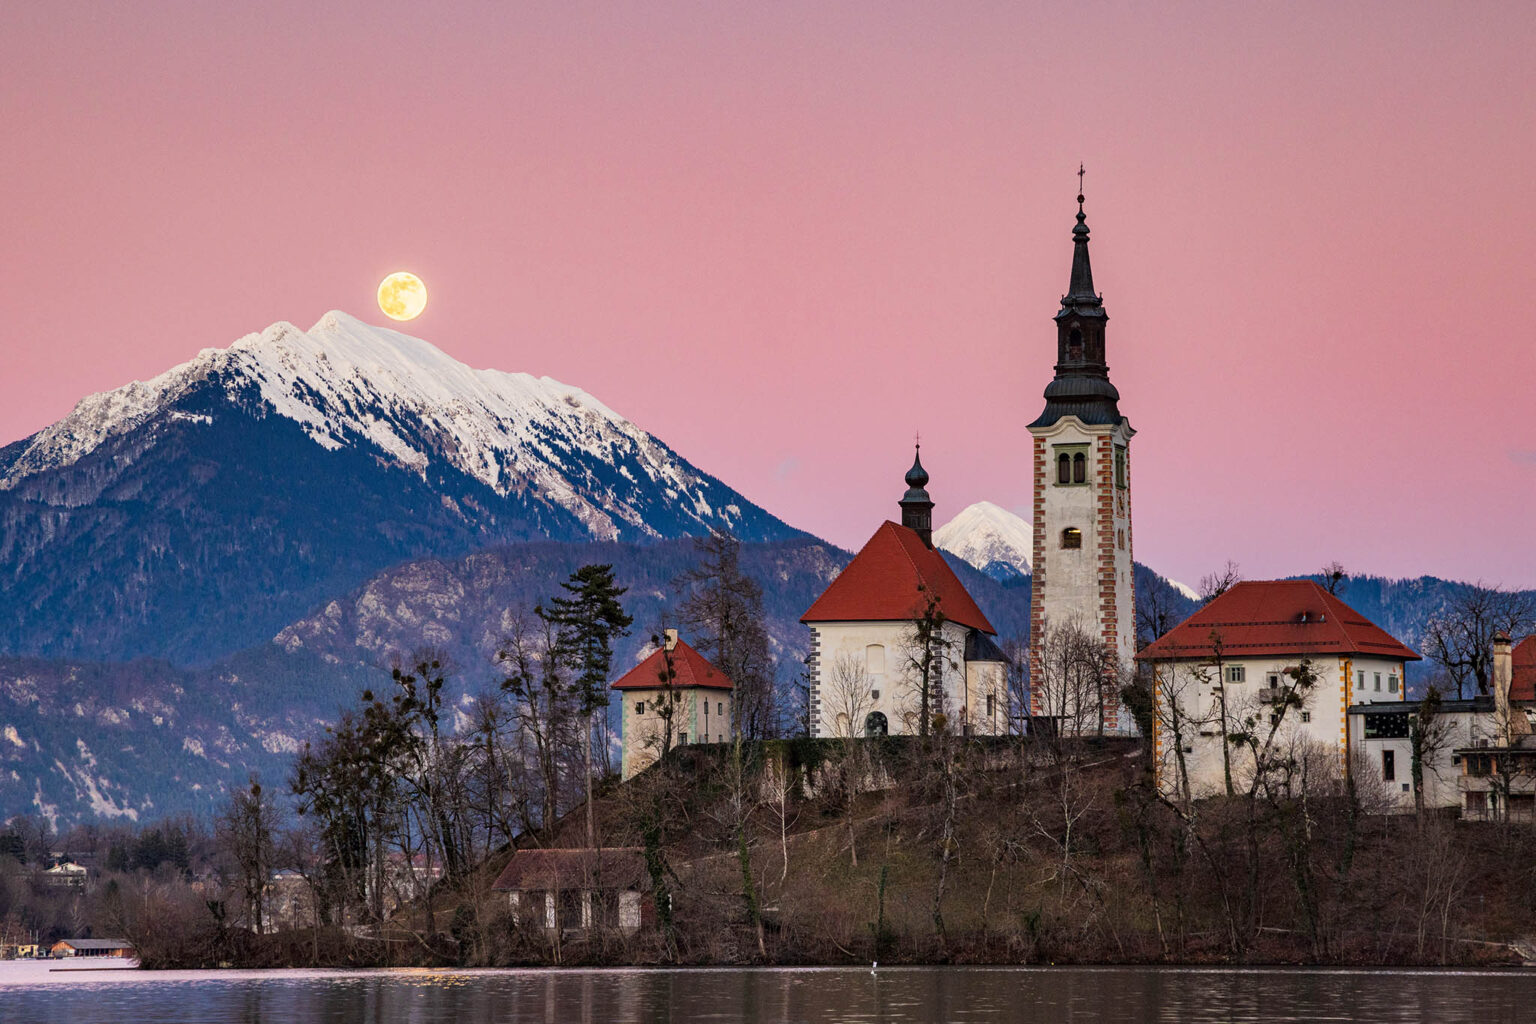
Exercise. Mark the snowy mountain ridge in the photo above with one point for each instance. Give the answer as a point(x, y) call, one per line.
point(348, 384)
point(989, 537)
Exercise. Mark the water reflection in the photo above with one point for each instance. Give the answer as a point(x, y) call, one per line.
point(813, 996)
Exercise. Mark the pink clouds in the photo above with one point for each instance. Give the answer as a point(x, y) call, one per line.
point(784, 237)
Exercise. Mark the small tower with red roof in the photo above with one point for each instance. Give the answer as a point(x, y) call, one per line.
point(674, 697)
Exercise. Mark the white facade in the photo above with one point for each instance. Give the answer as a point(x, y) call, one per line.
point(1083, 569)
point(699, 715)
point(1190, 713)
point(864, 669)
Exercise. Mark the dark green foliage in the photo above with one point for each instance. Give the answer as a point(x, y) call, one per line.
point(588, 622)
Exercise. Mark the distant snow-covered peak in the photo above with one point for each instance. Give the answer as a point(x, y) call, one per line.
point(987, 535)
point(348, 383)
point(1184, 588)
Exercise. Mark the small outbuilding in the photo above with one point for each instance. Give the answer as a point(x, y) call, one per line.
point(575, 891)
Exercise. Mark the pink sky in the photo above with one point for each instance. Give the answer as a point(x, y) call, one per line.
point(785, 236)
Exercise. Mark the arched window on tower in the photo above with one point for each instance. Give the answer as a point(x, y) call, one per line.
point(1063, 468)
point(1075, 345)
point(1079, 468)
point(1071, 537)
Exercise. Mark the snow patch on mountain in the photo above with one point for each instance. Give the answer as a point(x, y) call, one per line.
point(348, 384)
point(989, 537)
point(1185, 589)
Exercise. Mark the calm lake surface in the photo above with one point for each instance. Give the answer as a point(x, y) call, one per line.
point(31, 992)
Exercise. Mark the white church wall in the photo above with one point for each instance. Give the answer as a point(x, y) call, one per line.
point(865, 667)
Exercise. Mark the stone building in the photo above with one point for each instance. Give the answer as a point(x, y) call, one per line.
point(1231, 663)
point(1080, 464)
point(658, 713)
point(868, 630)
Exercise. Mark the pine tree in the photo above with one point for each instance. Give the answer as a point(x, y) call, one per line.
point(589, 620)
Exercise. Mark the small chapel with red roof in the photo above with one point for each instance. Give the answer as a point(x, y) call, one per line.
point(897, 624)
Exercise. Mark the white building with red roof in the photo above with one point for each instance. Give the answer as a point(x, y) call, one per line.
point(672, 698)
point(867, 638)
point(1226, 669)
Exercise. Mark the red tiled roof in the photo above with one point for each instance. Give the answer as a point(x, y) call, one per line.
point(615, 867)
point(888, 580)
point(1275, 618)
point(690, 667)
point(1522, 683)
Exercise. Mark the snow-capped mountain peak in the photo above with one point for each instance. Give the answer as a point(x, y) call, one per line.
point(349, 384)
point(989, 537)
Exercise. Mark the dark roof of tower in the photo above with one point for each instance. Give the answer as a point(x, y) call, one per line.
point(1082, 391)
point(916, 479)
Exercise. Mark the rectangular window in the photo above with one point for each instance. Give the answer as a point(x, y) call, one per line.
point(1274, 680)
point(639, 707)
point(682, 739)
point(989, 705)
point(1378, 682)
point(1236, 673)
point(1388, 765)
point(1306, 716)
point(1360, 680)
point(1392, 684)
point(1120, 467)
point(719, 707)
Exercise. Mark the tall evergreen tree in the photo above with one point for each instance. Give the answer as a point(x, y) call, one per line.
point(590, 618)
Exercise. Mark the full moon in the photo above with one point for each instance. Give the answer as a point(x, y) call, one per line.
point(402, 296)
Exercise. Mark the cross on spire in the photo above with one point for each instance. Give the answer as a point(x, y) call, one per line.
point(1079, 188)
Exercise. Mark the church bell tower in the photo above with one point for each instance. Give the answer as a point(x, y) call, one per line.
point(1083, 577)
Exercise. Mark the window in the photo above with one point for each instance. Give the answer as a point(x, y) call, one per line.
point(682, 739)
point(1273, 680)
point(1079, 468)
point(874, 659)
point(1071, 464)
point(1120, 467)
point(1392, 684)
point(639, 707)
point(719, 707)
point(1306, 716)
point(1378, 682)
point(990, 710)
point(1236, 673)
point(875, 724)
point(1388, 765)
point(1071, 537)
point(1063, 468)
point(1360, 680)
point(1075, 345)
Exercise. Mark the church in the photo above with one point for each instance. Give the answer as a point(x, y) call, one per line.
point(897, 642)
point(898, 646)
point(1083, 596)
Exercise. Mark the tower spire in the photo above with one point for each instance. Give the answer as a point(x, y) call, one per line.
point(1080, 289)
point(1081, 386)
point(916, 506)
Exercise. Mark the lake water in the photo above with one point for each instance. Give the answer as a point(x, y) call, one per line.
point(32, 992)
